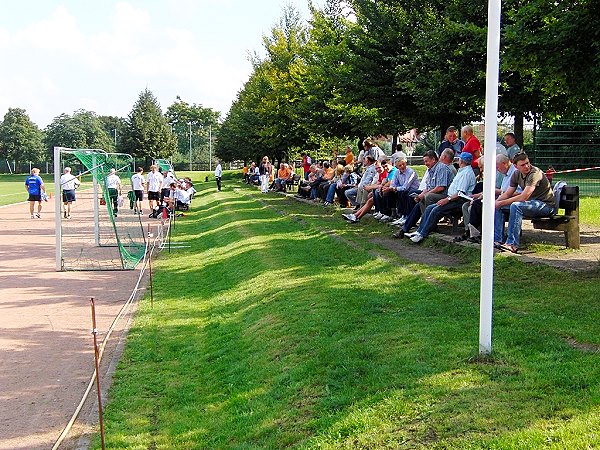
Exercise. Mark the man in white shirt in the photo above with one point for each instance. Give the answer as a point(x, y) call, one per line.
point(155, 184)
point(168, 179)
point(137, 184)
point(218, 174)
point(113, 186)
point(68, 183)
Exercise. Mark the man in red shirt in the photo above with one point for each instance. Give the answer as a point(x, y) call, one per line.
point(306, 162)
point(472, 145)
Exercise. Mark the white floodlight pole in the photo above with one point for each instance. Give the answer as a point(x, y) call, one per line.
point(190, 124)
point(210, 147)
point(57, 216)
point(491, 130)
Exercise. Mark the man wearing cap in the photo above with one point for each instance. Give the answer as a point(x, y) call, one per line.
point(463, 183)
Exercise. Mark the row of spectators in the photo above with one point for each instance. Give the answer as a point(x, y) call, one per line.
point(452, 184)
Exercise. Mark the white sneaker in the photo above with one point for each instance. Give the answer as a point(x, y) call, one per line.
point(385, 218)
point(410, 235)
point(398, 222)
point(417, 238)
point(377, 215)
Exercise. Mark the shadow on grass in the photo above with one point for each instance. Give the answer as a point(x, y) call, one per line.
point(271, 334)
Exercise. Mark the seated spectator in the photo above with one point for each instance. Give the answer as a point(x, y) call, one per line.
point(349, 180)
point(337, 179)
point(305, 186)
point(439, 178)
point(283, 175)
point(452, 142)
point(357, 196)
point(397, 194)
point(369, 189)
point(448, 159)
point(535, 200)
point(383, 213)
point(462, 185)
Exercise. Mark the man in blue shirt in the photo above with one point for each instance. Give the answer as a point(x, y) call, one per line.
point(439, 177)
point(462, 185)
point(35, 188)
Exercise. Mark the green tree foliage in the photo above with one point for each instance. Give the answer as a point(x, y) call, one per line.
point(83, 129)
point(115, 127)
point(183, 117)
point(365, 67)
point(555, 46)
point(147, 133)
point(20, 138)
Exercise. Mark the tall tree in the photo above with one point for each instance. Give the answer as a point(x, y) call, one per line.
point(147, 133)
point(185, 118)
point(81, 130)
point(20, 138)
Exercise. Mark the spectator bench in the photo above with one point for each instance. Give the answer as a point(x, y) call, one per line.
point(567, 222)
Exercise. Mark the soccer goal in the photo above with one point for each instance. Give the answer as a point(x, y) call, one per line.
point(101, 232)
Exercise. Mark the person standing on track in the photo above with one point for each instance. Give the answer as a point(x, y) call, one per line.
point(113, 185)
point(137, 184)
point(68, 183)
point(35, 187)
point(155, 184)
point(218, 174)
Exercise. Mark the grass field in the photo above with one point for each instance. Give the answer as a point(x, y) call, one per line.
point(283, 327)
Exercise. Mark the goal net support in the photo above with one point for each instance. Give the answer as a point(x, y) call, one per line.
point(94, 237)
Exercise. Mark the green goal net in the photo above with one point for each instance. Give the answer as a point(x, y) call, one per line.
point(102, 231)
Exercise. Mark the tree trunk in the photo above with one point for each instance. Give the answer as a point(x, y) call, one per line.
point(518, 129)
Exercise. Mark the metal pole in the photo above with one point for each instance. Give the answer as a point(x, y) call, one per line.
point(491, 130)
point(57, 216)
point(210, 147)
point(97, 359)
point(190, 123)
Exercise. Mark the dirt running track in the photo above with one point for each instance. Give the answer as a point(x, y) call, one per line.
point(46, 346)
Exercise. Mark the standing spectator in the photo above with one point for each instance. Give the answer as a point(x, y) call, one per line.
point(35, 186)
point(349, 158)
point(306, 162)
point(396, 154)
point(68, 183)
point(218, 174)
point(155, 184)
point(452, 142)
point(266, 171)
point(512, 148)
point(113, 186)
point(472, 146)
point(372, 149)
point(137, 184)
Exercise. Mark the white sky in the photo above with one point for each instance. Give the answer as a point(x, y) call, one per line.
point(60, 56)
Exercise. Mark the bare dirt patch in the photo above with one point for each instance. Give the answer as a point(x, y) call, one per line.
point(45, 318)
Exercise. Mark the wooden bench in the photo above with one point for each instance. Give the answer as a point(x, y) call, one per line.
point(567, 222)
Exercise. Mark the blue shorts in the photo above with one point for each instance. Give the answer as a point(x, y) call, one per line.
point(68, 195)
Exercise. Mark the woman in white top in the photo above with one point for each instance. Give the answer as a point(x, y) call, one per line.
point(218, 174)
